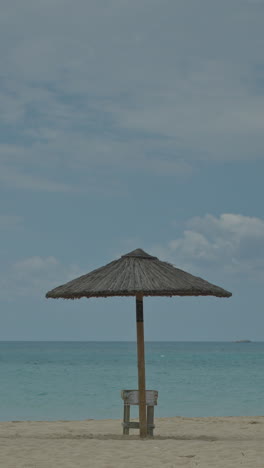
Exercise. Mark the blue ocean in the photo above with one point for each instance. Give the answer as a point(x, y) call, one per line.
point(82, 380)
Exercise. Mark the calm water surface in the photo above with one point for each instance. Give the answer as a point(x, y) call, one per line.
point(81, 380)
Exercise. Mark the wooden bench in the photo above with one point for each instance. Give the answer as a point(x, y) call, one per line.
point(130, 397)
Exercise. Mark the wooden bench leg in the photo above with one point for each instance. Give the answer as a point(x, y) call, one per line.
point(126, 419)
point(150, 420)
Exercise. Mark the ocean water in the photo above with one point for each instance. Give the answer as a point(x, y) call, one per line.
point(81, 380)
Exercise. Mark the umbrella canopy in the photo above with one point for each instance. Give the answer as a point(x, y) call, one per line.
point(137, 274)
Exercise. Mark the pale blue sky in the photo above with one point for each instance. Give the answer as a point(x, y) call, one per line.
point(127, 124)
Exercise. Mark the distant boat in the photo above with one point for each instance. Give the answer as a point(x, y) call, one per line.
point(243, 341)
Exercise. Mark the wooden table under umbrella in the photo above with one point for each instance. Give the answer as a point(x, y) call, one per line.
point(137, 274)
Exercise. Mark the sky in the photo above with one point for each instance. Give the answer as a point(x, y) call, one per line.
point(131, 124)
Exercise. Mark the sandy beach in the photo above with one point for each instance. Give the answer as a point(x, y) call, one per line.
point(178, 442)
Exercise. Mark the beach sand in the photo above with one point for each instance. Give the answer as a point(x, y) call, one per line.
point(178, 442)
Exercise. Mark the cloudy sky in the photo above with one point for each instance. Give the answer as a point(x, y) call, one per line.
point(127, 124)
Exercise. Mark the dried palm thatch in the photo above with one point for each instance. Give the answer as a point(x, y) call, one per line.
point(137, 272)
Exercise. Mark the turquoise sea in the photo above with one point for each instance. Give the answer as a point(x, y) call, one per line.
point(82, 380)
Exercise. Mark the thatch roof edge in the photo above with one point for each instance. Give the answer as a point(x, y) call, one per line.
point(222, 293)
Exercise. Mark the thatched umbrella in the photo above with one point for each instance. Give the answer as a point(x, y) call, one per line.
point(137, 274)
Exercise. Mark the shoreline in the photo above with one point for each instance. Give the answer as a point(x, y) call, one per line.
point(205, 442)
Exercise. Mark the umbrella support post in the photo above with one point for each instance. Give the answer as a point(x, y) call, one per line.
point(141, 367)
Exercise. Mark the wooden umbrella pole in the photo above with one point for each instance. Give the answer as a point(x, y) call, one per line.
point(141, 366)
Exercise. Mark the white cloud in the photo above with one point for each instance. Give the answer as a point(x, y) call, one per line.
point(148, 85)
point(10, 221)
point(234, 224)
point(35, 264)
point(34, 276)
point(21, 180)
point(229, 244)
